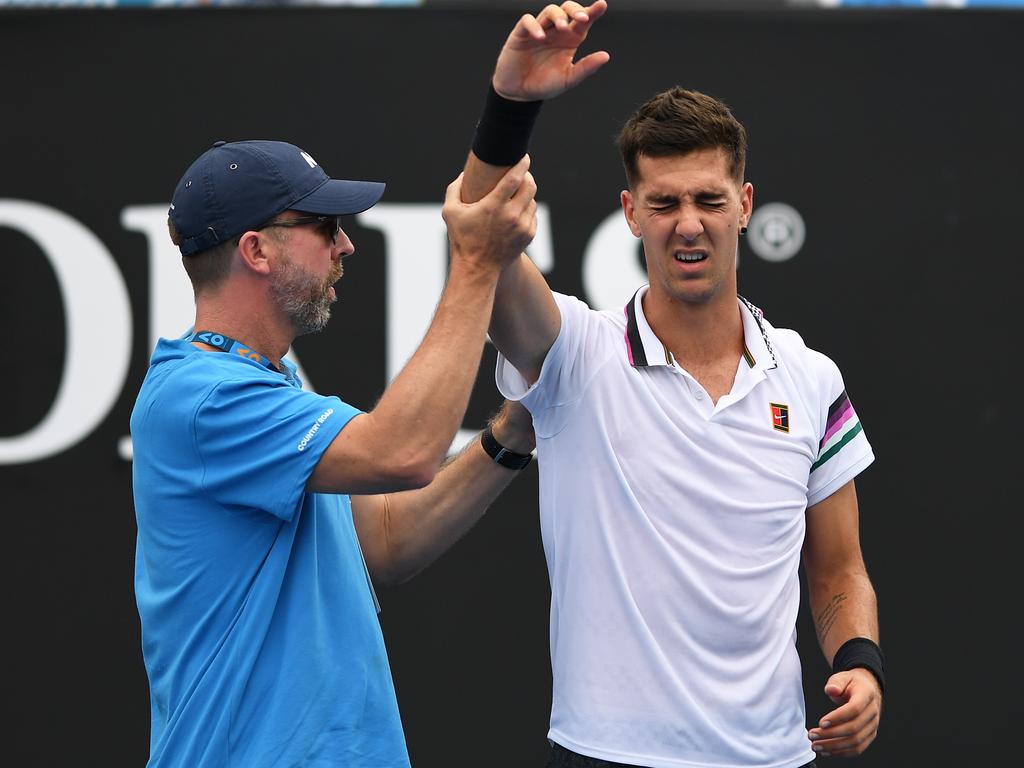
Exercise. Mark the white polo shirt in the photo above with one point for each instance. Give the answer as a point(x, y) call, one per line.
point(672, 528)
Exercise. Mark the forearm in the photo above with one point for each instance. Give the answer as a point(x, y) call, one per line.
point(843, 606)
point(425, 403)
point(525, 320)
point(480, 178)
point(416, 527)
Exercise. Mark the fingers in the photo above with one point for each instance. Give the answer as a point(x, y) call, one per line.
point(526, 191)
point(836, 686)
point(568, 16)
point(852, 701)
point(843, 716)
point(516, 184)
point(850, 738)
point(530, 214)
point(575, 13)
point(494, 230)
point(596, 10)
point(861, 699)
point(583, 17)
point(528, 27)
point(525, 198)
point(851, 727)
point(552, 16)
point(571, 15)
point(452, 197)
point(454, 190)
point(514, 177)
point(587, 66)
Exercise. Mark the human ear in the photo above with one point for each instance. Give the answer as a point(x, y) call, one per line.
point(253, 252)
point(628, 210)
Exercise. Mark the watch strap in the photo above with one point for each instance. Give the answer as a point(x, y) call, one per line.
point(502, 455)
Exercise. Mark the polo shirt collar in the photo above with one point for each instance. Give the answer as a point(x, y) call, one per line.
point(757, 344)
point(644, 349)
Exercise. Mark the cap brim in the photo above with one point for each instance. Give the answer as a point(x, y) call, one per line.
point(338, 196)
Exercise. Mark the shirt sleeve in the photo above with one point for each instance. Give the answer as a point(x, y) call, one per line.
point(258, 442)
point(568, 366)
point(843, 448)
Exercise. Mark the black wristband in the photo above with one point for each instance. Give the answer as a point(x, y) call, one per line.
point(861, 652)
point(503, 133)
point(501, 454)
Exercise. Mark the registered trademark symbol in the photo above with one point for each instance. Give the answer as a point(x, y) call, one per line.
point(776, 232)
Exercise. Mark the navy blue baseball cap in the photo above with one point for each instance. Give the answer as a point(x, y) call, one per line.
point(237, 186)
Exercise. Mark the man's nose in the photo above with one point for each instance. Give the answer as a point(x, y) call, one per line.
point(343, 246)
point(689, 225)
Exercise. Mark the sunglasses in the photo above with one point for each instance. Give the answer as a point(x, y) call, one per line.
point(328, 226)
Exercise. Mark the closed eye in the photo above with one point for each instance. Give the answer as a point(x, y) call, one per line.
point(714, 203)
point(661, 205)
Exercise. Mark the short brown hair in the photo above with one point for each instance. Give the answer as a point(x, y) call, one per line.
point(206, 269)
point(677, 122)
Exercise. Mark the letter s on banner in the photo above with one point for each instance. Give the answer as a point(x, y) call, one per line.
point(96, 305)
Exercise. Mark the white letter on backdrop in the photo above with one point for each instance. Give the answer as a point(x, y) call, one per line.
point(98, 330)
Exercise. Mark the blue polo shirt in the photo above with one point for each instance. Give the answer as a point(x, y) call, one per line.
point(259, 628)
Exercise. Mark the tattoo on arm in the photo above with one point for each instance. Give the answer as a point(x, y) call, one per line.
point(827, 617)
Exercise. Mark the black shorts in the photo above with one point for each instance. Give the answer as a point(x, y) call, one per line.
point(566, 758)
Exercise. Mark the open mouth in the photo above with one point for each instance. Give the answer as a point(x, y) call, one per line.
point(691, 258)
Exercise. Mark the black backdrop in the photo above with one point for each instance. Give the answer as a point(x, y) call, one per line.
point(894, 135)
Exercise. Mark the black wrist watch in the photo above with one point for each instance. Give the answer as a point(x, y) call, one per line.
point(501, 454)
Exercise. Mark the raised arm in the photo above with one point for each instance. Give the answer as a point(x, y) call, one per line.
point(536, 63)
point(843, 605)
point(402, 533)
point(400, 443)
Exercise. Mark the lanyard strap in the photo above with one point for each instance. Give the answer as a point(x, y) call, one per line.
point(229, 345)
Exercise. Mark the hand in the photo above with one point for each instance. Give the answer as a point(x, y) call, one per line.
point(850, 728)
point(536, 60)
point(496, 229)
point(512, 426)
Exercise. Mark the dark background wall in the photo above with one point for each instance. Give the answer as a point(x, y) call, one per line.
point(893, 135)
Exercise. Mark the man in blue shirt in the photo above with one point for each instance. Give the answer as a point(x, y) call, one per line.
point(259, 627)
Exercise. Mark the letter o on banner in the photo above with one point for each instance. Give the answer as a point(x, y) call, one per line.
point(611, 264)
point(99, 330)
